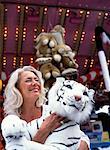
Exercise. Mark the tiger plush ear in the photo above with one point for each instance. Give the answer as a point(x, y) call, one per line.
point(60, 80)
point(58, 83)
point(53, 90)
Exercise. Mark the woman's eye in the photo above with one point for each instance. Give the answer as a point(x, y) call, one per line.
point(37, 80)
point(34, 79)
point(28, 80)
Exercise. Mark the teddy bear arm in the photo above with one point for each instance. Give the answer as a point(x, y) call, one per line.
point(56, 56)
point(55, 71)
point(46, 70)
point(67, 62)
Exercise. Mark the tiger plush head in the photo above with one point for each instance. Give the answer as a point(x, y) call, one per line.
point(71, 99)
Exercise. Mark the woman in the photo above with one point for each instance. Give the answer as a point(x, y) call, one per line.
point(24, 96)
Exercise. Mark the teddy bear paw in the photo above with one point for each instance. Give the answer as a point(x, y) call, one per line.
point(51, 44)
point(76, 66)
point(55, 74)
point(57, 57)
point(47, 75)
point(45, 42)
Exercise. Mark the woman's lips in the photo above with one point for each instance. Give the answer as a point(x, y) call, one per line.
point(36, 89)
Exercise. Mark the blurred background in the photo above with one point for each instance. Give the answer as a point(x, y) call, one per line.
point(21, 21)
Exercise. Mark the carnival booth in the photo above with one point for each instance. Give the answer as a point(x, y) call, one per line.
point(69, 39)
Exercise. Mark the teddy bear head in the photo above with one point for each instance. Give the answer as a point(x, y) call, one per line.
point(45, 42)
point(58, 32)
point(49, 70)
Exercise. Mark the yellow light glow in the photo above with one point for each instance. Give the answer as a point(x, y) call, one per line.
point(26, 7)
point(68, 10)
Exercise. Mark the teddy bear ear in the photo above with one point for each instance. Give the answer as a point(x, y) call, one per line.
point(58, 32)
point(58, 28)
point(37, 40)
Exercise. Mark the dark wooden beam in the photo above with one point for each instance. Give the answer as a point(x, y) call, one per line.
point(20, 35)
point(1, 33)
point(80, 30)
point(63, 16)
point(41, 16)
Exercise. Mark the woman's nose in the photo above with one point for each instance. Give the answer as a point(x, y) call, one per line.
point(34, 82)
point(77, 98)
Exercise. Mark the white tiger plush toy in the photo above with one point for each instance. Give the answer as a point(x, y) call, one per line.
point(67, 98)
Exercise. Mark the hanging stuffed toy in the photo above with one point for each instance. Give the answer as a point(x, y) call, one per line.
point(67, 62)
point(67, 98)
point(54, 57)
point(101, 36)
point(45, 42)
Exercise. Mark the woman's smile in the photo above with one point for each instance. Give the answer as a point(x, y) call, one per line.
point(35, 89)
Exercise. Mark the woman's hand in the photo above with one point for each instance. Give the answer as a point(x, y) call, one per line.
point(49, 125)
point(83, 146)
point(52, 122)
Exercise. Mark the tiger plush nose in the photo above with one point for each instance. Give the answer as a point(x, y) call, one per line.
point(77, 98)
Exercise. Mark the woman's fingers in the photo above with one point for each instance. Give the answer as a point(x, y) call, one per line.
point(52, 122)
point(83, 146)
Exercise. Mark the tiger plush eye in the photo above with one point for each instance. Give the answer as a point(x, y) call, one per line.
point(64, 103)
point(85, 93)
point(69, 86)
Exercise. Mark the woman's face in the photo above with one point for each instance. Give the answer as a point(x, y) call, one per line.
point(29, 85)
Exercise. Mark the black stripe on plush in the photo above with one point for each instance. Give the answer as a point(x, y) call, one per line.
point(65, 128)
point(67, 145)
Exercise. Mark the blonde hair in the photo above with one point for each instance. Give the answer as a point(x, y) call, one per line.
point(12, 97)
